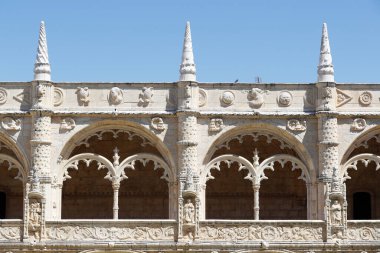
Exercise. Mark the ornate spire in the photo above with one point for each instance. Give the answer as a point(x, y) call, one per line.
point(42, 66)
point(325, 67)
point(187, 68)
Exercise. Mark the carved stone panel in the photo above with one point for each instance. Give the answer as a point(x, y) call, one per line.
point(358, 124)
point(296, 125)
point(256, 97)
point(11, 124)
point(115, 96)
point(365, 99)
point(83, 95)
point(227, 98)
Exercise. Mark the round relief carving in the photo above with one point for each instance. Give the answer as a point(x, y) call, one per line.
point(115, 96)
point(3, 96)
point(202, 97)
point(365, 98)
point(58, 96)
point(285, 98)
point(227, 98)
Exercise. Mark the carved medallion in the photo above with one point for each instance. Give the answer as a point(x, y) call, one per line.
point(296, 125)
point(202, 97)
point(11, 124)
point(115, 97)
point(216, 125)
point(145, 96)
point(256, 97)
point(285, 98)
point(365, 98)
point(67, 124)
point(227, 98)
point(3, 96)
point(83, 95)
point(310, 97)
point(342, 98)
point(58, 96)
point(157, 123)
point(358, 124)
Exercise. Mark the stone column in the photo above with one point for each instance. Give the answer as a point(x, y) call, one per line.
point(188, 209)
point(256, 206)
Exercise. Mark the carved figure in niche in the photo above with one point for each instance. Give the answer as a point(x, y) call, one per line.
point(285, 98)
point(256, 97)
point(336, 213)
point(215, 125)
point(188, 212)
point(188, 91)
point(116, 96)
point(11, 124)
point(83, 95)
point(358, 124)
point(157, 123)
point(67, 124)
point(146, 95)
point(34, 217)
point(296, 125)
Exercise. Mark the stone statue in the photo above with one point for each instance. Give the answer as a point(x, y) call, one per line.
point(83, 95)
point(336, 213)
point(188, 212)
point(35, 217)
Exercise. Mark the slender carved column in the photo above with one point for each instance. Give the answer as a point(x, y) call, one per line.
point(116, 187)
point(188, 102)
point(256, 206)
point(334, 207)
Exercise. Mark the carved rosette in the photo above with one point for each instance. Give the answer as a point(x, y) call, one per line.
point(365, 99)
point(285, 98)
point(358, 124)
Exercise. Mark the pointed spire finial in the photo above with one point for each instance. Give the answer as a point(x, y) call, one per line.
point(187, 68)
point(42, 65)
point(325, 67)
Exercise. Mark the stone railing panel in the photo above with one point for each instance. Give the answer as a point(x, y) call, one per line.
point(261, 230)
point(10, 230)
point(111, 230)
point(363, 230)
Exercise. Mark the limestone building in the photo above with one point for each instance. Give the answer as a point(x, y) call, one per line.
point(189, 166)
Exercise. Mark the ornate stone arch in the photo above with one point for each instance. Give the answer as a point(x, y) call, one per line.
point(14, 164)
point(352, 163)
point(135, 130)
point(20, 159)
point(129, 162)
point(87, 158)
point(282, 159)
point(361, 140)
point(229, 160)
point(286, 139)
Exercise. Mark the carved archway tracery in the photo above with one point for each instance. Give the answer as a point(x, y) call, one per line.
point(14, 164)
point(116, 170)
point(256, 170)
point(353, 162)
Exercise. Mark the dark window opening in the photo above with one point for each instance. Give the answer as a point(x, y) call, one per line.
point(2, 205)
point(362, 206)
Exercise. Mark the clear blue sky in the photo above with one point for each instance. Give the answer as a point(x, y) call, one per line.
point(138, 41)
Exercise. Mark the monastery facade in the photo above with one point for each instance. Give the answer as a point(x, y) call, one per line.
point(189, 166)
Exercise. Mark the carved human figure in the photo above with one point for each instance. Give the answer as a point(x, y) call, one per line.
point(41, 91)
point(336, 213)
point(188, 212)
point(34, 216)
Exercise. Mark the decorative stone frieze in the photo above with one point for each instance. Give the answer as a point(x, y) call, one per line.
point(83, 96)
point(10, 124)
point(216, 125)
point(227, 98)
point(358, 124)
point(365, 99)
point(256, 97)
point(115, 96)
point(296, 125)
point(285, 98)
